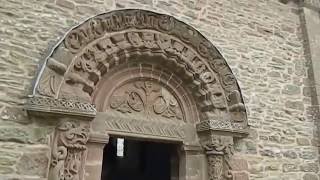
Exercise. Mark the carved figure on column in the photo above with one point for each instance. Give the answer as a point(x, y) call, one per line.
point(219, 150)
point(68, 151)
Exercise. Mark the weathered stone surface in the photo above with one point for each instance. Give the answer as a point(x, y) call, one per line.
point(261, 40)
point(290, 154)
point(310, 167)
point(290, 167)
point(241, 176)
point(309, 176)
point(272, 166)
point(6, 170)
point(309, 91)
point(14, 114)
point(29, 135)
point(307, 154)
point(65, 3)
point(269, 153)
point(297, 105)
point(246, 147)
point(312, 3)
point(239, 164)
point(291, 90)
point(33, 164)
point(4, 161)
point(303, 142)
point(13, 134)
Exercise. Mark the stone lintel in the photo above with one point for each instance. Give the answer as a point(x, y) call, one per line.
point(131, 125)
point(40, 105)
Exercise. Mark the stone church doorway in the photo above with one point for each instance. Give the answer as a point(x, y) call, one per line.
point(138, 74)
point(125, 159)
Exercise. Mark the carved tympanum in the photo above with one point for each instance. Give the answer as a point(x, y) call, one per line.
point(146, 97)
point(68, 152)
point(219, 150)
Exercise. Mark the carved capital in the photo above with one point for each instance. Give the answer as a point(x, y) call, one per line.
point(219, 150)
point(68, 151)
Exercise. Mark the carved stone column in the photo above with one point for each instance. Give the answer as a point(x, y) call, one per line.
point(68, 151)
point(219, 150)
point(217, 143)
point(68, 141)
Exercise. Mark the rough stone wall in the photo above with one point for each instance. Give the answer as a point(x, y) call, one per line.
point(262, 41)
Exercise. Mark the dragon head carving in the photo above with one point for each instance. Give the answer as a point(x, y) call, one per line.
point(73, 136)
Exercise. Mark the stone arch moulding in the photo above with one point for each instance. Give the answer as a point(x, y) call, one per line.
point(138, 63)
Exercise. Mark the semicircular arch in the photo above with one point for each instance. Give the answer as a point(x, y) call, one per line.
point(89, 51)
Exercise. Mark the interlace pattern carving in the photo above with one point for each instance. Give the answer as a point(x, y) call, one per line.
point(147, 97)
point(65, 106)
point(68, 151)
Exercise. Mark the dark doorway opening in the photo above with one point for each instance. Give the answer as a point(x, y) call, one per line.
point(126, 159)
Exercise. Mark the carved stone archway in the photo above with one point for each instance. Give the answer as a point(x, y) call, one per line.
point(142, 74)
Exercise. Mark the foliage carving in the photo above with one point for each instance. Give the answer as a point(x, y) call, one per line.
point(147, 97)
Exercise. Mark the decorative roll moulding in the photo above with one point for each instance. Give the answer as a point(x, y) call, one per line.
point(92, 49)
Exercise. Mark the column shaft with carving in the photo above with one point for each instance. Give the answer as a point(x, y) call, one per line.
point(68, 151)
point(219, 150)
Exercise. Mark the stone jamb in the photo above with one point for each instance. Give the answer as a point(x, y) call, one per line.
point(93, 164)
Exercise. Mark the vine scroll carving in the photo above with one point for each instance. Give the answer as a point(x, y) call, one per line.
point(146, 97)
